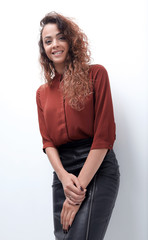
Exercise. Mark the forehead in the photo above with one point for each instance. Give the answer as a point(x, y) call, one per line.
point(50, 29)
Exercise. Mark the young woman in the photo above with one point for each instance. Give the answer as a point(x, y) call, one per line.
point(77, 126)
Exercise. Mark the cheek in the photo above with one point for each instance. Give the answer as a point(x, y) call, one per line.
point(47, 51)
point(67, 47)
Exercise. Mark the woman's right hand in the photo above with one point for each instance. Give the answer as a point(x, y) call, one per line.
point(73, 190)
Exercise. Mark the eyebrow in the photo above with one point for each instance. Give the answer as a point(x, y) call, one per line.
point(56, 35)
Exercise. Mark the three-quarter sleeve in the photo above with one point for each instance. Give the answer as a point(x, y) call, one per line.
point(104, 125)
point(47, 142)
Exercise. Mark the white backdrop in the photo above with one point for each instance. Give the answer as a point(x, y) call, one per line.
point(118, 33)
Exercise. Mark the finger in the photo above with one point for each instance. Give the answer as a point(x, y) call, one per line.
point(75, 198)
point(78, 186)
point(76, 182)
point(77, 201)
point(72, 196)
point(75, 190)
point(71, 202)
point(67, 220)
point(64, 219)
point(71, 218)
point(62, 214)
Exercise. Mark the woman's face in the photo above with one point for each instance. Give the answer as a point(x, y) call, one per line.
point(55, 45)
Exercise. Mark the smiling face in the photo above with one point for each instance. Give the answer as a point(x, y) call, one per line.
point(55, 45)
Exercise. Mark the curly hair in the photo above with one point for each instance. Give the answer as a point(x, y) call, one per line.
point(75, 84)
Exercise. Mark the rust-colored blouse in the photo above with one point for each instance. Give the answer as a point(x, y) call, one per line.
point(59, 123)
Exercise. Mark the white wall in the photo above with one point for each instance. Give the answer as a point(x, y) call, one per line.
point(118, 33)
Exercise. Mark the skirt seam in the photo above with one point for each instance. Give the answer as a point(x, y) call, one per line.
point(91, 202)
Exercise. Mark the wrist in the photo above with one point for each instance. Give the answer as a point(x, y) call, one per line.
point(82, 182)
point(61, 174)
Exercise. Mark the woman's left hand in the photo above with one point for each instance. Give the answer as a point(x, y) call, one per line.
point(68, 214)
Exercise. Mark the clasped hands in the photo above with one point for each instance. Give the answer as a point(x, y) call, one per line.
point(75, 195)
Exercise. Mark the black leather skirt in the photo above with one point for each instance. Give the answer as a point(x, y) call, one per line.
point(92, 219)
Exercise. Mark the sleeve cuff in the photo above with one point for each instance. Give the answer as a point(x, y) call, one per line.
point(101, 146)
point(48, 144)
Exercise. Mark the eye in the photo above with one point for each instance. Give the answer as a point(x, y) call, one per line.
point(62, 38)
point(47, 42)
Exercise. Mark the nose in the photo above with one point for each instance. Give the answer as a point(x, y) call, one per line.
point(55, 43)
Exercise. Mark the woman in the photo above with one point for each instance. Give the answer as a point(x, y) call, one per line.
point(77, 126)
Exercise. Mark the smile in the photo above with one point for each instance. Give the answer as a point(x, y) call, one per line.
point(57, 53)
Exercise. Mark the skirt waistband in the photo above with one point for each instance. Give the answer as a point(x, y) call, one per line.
point(73, 154)
point(75, 143)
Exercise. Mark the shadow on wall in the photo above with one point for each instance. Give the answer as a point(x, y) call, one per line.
point(126, 223)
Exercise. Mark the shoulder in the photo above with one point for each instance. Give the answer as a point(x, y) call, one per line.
point(98, 73)
point(41, 93)
point(95, 68)
point(41, 89)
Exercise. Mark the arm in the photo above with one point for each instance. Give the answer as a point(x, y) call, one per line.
point(55, 161)
point(104, 136)
point(104, 126)
point(91, 165)
point(70, 182)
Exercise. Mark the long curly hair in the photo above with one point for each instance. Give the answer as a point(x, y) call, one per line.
point(75, 85)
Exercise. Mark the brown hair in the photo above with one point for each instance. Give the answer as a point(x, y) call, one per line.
point(75, 85)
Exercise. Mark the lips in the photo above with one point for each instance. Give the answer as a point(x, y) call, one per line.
point(57, 52)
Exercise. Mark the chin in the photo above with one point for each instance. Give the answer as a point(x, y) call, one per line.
point(59, 62)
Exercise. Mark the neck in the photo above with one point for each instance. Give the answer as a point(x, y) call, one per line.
point(60, 68)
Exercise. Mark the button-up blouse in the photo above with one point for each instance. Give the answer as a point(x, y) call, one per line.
point(59, 123)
